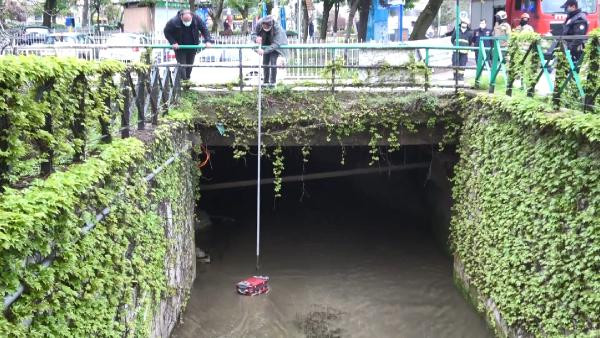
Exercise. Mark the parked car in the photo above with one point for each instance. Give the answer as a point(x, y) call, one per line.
point(228, 61)
point(83, 46)
point(32, 35)
point(129, 54)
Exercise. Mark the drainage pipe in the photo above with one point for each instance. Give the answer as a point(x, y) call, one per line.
point(315, 176)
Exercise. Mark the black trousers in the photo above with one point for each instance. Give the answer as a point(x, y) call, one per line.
point(460, 59)
point(185, 57)
point(270, 74)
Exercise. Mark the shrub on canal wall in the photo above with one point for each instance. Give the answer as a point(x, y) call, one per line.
point(127, 274)
point(525, 231)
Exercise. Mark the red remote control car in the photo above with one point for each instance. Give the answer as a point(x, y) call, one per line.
point(254, 285)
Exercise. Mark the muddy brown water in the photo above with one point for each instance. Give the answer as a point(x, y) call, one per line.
point(340, 266)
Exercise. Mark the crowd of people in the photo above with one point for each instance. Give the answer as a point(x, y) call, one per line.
point(575, 24)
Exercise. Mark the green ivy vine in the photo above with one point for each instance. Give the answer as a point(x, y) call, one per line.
point(526, 222)
point(298, 117)
point(110, 280)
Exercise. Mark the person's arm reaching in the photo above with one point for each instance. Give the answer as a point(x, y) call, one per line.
point(170, 34)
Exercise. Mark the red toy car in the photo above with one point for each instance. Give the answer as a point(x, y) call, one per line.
point(254, 285)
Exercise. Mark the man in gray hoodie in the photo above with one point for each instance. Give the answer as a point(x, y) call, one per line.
point(271, 37)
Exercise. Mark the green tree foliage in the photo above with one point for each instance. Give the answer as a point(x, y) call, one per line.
point(243, 6)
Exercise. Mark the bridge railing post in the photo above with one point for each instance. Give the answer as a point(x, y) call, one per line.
point(105, 118)
point(481, 59)
point(592, 90)
point(126, 113)
point(241, 71)
point(47, 162)
point(4, 134)
point(78, 127)
point(152, 88)
point(141, 100)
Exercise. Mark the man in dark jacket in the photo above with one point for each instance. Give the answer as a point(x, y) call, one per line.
point(575, 24)
point(184, 29)
point(465, 39)
point(480, 32)
point(271, 37)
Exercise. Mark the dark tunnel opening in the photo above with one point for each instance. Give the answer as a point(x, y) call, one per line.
point(358, 255)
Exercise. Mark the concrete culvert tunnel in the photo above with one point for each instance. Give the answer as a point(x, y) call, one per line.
point(351, 256)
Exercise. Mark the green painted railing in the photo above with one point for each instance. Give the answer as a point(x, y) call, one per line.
point(530, 57)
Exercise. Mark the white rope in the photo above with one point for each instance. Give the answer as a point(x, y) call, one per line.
point(259, 108)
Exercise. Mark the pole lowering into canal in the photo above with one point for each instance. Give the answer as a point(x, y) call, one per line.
point(258, 146)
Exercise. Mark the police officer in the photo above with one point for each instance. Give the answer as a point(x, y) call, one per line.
point(575, 24)
point(524, 26)
point(465, 39)
point(480, 32)
point(502, 28)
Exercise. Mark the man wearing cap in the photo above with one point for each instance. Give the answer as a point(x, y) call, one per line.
point(575, 24)
point(184, 29)
point(269, 34)
point(524, 26)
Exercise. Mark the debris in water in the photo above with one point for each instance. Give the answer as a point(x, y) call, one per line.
point(202, 256)
point(253, 286)
point(320, 323)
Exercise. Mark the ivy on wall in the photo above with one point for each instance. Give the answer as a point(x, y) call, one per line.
point(526, 219)
point(107, 281)
point(40, 105)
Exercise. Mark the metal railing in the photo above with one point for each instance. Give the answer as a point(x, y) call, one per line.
point(144, 96)
point(346, 63)
point(540, 56)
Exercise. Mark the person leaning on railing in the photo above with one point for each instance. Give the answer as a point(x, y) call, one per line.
point(269, 34)
point(184, 29)
point(465, 39)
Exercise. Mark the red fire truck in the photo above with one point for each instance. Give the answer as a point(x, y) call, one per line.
point(546, 16)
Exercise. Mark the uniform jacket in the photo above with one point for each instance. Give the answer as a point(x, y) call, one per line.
point(482, 32)
point(502, 29)
point(575, 24)
point(524, 29)
point(465, 39)
point(174, 30)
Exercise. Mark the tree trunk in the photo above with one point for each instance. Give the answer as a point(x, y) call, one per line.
point(192, 4)
point(98, 16)
point(336, 15)
point(363, 12)
point(304, 21)
point(85, 16)
point(350, 23)
point(215, 15)
point(327, 5)
point(244, 14)
point(425, 19)
point(49, 12)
